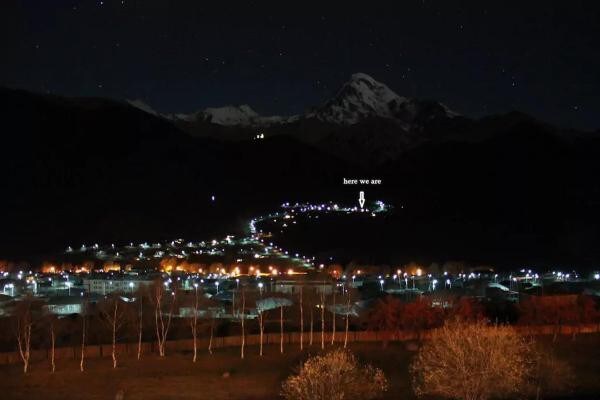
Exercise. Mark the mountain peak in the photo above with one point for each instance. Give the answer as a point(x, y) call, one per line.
point(359, 99)
point(363, 97)
point(362, 76)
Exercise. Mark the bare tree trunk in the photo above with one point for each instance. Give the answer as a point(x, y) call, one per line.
point(346, 333)
point(262, 330)
point(281, 329)
point(243, 326)
point(162, 326)
point(322, 320)
point(52, 344)
point(195, 327)
point(140, 327)
point(301, 322)
point(347, 320)
point(233, 304)
point(333, 317)
point(310, 337)
point(212, 327)
point(158, 299)
point(81, 362)
point(24, 338)
point(27, 348)
point(114, 334)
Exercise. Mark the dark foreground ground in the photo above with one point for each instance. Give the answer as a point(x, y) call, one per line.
point(176, 377)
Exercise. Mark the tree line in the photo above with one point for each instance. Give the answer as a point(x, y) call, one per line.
point(155, 314)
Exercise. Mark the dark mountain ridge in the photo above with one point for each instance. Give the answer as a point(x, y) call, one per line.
point(504, 189)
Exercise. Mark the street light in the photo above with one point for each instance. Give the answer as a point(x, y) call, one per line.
point(68, 287)
point(260, 287)
point(217, 285)
point(381, 283)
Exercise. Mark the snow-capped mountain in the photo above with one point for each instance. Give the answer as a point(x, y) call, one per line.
point(363, 97)
point(230, 115)
point(359, 99)
point(242, 115)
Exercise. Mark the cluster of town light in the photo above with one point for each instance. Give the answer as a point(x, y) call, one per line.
point(286, 217)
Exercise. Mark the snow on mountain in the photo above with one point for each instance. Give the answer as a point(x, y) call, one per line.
point(229, 115)
point(360, 98)
point(363, 97)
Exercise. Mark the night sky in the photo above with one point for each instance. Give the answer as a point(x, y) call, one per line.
point(478, 57)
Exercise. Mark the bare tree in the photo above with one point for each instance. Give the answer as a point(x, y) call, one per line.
point(113, 314)
point(336, 375)
point(50, 322)
point(261, 322)
point(347, 318)
point(84, 311)
point(322, 305)
point(311, 298)
point(194, 322)
point(24, 324)
point(162, 317)
point(212, 329)
point(140, 323)
point(243, 326)
point(333, 314)
point(210, 304)
point(310, 336)
point(351, 297)
point(473, 362)
point(281, 329)
point(301, 321)
point(51, 318)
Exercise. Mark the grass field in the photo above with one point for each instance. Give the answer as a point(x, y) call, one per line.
point(176, 377)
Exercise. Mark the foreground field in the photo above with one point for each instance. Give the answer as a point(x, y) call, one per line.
point(176, 377)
